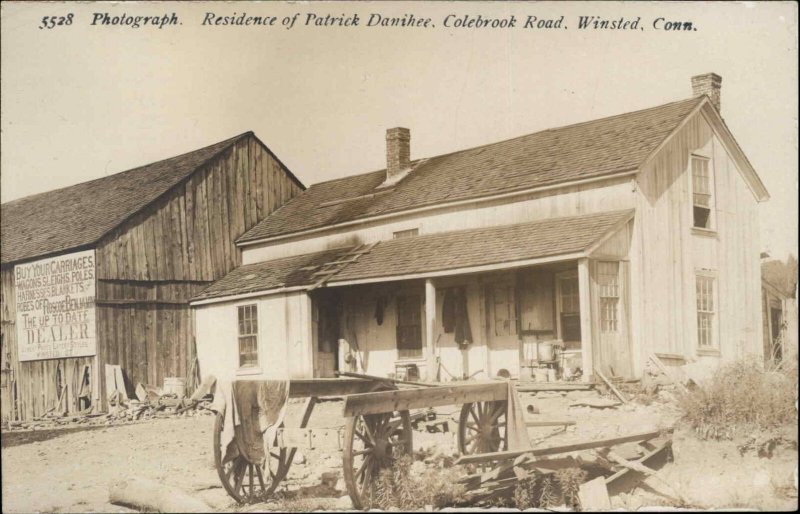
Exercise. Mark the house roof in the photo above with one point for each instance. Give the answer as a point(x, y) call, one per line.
point(592, 149)
point(399, 258)
point(79, 215)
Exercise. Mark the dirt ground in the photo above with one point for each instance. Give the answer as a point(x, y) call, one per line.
point(71, 471)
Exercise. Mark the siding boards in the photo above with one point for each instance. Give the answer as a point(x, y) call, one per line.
point(147, 269)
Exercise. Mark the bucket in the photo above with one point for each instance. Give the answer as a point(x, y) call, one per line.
point(175, 385)
point(546, 352)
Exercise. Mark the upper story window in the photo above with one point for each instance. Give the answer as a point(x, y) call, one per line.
point(248, 336)
point(406, 233)
point(702, 192)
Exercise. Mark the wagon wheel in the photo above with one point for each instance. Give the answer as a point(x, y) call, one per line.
point(371, 443)
point(482, 427)
point(246, 482)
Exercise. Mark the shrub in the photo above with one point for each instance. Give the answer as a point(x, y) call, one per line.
point(741, 398)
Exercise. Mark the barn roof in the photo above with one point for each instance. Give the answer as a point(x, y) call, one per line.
point(79, 215)
point(592, 149)
point(460, 250)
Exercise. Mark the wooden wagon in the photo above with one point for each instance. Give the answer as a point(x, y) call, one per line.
point(377, 429)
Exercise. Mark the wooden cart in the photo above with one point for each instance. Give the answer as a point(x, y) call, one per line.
point(377, 429)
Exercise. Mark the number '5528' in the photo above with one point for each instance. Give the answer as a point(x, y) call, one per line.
point(49, 22)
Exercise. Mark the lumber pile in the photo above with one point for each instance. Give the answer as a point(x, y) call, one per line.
point(579, 475)
point(149, 403)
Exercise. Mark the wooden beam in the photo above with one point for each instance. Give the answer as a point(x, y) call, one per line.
point(614, 390)
point(554, 386)
point(382, 379)
point(430, 330)
point(320, 387)
point(553, 450)
point(585, 302)
point(627, 478)
point(388, 401)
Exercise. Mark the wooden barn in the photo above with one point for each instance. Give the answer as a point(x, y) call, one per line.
point(101, 272)
point(561, 254)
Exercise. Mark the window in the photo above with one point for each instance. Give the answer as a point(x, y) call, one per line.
point(409, 326)
point(608, 283)
point(248, 336)
point(505, 310)
point(702, 192)
point(406, 233)
point(570, 308)
point(705, 312)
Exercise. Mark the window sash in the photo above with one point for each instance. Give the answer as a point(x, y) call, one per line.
point(248, 335)
point(702, 191)
point(608, 283)
point(705, 311)
point(409, 327)
point(570, 300)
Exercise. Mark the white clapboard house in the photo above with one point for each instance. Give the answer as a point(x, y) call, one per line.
point(608, 240)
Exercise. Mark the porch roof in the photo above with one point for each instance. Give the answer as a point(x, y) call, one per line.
point(465, 251)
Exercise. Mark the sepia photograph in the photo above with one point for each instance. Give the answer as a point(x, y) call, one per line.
point(304, 256)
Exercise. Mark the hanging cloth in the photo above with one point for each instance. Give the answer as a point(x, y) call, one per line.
point(462, 328)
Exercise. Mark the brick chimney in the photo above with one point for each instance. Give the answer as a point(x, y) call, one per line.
point(398, 152)
point(708, 84)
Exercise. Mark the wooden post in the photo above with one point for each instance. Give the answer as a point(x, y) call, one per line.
point(586, 318)
point(430, 330)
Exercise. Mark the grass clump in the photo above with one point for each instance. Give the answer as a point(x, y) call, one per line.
point(742, 398)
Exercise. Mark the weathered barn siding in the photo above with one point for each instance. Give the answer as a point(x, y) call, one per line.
point(149, 267)
point(666, 252)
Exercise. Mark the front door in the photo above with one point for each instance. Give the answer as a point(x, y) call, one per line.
point(328, 334)
point(502, 313)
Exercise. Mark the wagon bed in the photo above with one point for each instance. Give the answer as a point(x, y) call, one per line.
point(377, 429)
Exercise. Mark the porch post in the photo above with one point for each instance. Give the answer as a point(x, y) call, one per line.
point(586, 318)
point(430, 324)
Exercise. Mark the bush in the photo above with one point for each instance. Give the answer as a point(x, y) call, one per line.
point(741, 398)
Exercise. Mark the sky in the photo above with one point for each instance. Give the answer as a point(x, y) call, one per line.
point(80, 101)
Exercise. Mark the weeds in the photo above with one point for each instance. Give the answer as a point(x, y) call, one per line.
point(742, 398)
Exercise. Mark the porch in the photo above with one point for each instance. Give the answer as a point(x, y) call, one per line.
point(554, 321)
point(546, 299)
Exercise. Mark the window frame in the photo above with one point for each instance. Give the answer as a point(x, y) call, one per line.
point(712, 348)
point(417, 355)
point(711, 221)
point(402, 234)
point(254, 367)
point(512, 309)
point(560, 277)
point(609, 296)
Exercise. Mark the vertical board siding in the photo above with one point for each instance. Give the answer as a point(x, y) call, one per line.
point(167, 253)
point(665, 252)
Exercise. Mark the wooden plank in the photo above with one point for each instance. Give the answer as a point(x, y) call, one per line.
point(554, 450)
point(383, 379)
point(553, 386)
point(663, 368)
point(614, 390)
point(321, 387)
point(627, 478)
point(387, 401)
point(593, 495)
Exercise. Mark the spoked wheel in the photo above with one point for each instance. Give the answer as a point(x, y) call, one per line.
point(482, 427)
point(371, 443)
point(246, 482)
